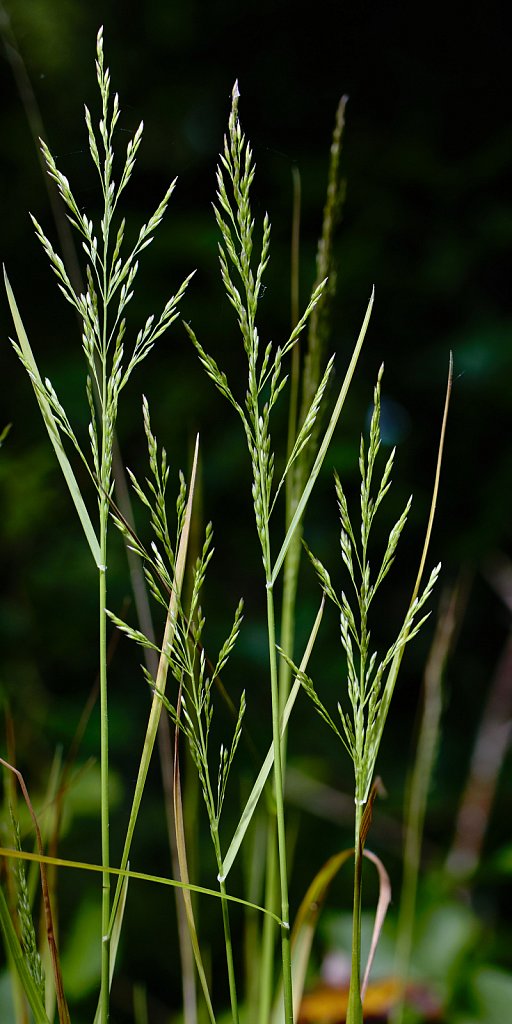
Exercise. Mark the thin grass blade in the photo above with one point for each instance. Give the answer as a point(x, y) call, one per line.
point(182, 859)
point(397, 660)
point(307, 919)
point(161, 678)
point(380, 913)
point(52, 429)
point(437, 477)
point(140, 876)
point(118, 923)
point(266, 768)
point(324, 445)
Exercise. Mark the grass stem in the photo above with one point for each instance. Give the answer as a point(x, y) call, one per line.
point(229, 952)
point(105, 838)
point(355, 1008)
point(279, 796)
point(269, 931)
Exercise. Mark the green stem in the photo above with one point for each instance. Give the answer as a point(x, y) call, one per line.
point(229, 955)
point(279, 796)
point(105, 844)
point(287, 621)
point(104, 514)
point(269, 929)
point(225, 920)
point(355, 1007)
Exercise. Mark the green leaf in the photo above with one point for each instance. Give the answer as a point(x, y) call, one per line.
point(266, 767)
point(124, 873)
point(322, 451)
point(52, 429)
point(307, 919)
point(189, 910)
point(156, 706)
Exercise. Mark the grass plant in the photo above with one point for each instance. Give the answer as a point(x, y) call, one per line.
point(102, 312)
point(370, 680)
point(283, 477)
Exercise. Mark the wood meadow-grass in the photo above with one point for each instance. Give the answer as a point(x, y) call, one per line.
point(287, 410)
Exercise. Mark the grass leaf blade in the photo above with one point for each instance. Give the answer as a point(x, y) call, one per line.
point(380, 913)
point(51, 427)
point(140, 876)
point(161, 679)
point(324, 445)
point(182, 858)
point(266, 767)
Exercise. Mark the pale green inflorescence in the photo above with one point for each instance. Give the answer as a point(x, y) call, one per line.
point(192, 711)
point(110, 279)
point(243, 286)
point(28, 934)
point(369, 695)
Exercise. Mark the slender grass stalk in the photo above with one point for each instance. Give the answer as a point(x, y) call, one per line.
point(281, 832)
point(355, 1008)
point(255, 886)
point(105, 816)
point(266, 979)
point(303, 390)
point(227, 932)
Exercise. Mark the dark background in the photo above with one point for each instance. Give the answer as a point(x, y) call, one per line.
point(427, 221)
